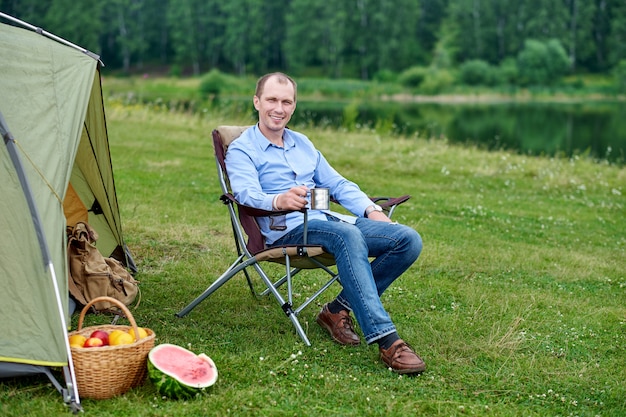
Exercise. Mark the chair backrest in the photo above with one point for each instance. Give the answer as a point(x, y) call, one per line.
point(223, 136)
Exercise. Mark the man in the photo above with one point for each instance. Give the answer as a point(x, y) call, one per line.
point(271, 167)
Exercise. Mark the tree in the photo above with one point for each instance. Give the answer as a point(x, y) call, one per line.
point(616, 38)
point(547, 19)
point(189, 24)
point(395, 42)
point(580, 44)
point(237, 34)
point(128, 28)
point(31, 11)
point(474, 25)
point(542, 63)
point(446, 47)
point(430, 15)
point(77, 22)
point(315, 36)
point(352, 38)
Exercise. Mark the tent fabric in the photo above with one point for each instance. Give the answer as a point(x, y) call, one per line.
point(25, 319)
point(45, 91)
point(92, 176)
point(73, 207)
point(53, 107)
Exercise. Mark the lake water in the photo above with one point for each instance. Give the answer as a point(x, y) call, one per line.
point(597, 129)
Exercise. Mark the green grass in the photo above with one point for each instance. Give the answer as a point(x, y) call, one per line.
point(517, 304)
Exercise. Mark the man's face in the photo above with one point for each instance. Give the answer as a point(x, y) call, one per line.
point(276, 105)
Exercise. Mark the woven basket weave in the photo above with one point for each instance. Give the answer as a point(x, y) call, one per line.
point(107, 371)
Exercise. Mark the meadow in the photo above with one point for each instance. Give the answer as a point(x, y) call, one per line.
point(517, 304)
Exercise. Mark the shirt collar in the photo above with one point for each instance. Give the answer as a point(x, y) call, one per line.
point(264, 143)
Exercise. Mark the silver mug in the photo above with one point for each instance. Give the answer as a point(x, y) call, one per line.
point(320, 198)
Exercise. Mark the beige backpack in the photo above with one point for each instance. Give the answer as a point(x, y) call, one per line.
point(92, 275)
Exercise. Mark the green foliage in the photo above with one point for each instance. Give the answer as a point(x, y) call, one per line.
point(350, 116)
point(175, 71)
point(477, 72)
point(619, 76)
point(314, 41)
point(212, 84)
point(542, 63)
point(446, 48)
point(70, 18)
point(508, 73)
point(437, 81)
point(329, 39)
point(413, 77)
point(387, 76)
point(559, 63)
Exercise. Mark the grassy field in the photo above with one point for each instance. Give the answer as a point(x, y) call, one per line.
point(517, 304)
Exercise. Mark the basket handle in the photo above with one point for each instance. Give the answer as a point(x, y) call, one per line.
point(118, 303)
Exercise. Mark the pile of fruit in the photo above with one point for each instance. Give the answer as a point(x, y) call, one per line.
point(100, 338)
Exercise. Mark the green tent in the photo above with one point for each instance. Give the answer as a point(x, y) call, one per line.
point(54, 170)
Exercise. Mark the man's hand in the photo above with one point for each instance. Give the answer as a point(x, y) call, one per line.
point(294, 199)
point(379, 216)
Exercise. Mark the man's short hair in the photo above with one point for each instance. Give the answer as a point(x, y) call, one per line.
point(281, 78)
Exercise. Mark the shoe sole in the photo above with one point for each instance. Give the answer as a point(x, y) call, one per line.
point(405, 371)
point(408, 371)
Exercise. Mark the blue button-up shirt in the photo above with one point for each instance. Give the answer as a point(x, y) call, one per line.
point(258, 170)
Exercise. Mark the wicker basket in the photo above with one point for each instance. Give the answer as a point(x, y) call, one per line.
point(107, 371)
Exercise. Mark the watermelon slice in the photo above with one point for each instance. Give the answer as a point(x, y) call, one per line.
point(179, 373)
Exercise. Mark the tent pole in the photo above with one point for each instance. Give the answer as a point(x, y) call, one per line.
point(72, 396)
point(9, 141)
point(51, 36)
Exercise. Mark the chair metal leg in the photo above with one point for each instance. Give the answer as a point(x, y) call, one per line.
point(287, 307)
point(230, 272)
point(317, 293)
point(294, 319)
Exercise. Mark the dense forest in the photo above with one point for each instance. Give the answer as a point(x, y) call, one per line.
point(362, 39)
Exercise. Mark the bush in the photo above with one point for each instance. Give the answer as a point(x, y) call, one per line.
point(542, 63)
point(558, 62)
point(350, 116)
point(437, 81)
point(413, 77)
point(385, 76)
point(477, 72)
point(212, 84)
point(508, 73)
point(619, 75)
point(175, 71)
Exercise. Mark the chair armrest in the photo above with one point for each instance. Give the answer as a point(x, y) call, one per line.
point(386, 202)
point(252, 211)
point(389, 204)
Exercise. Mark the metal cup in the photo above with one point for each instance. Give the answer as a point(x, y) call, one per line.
point(320, 198)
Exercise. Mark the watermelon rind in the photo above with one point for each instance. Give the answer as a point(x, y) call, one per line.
point(174, 371)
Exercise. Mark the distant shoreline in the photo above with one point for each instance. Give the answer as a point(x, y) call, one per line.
point(499, 98)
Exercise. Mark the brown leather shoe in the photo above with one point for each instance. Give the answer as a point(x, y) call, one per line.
point(339, 326)
point(401, 358)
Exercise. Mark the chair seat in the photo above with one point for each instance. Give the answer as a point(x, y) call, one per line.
point(300, 256)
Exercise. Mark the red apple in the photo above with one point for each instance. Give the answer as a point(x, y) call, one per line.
point(93, 342)
point(102, 335)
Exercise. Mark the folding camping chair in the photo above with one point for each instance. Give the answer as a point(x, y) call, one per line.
point(252, 252)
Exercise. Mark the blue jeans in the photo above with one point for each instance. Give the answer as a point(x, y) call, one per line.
point(394, 248)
